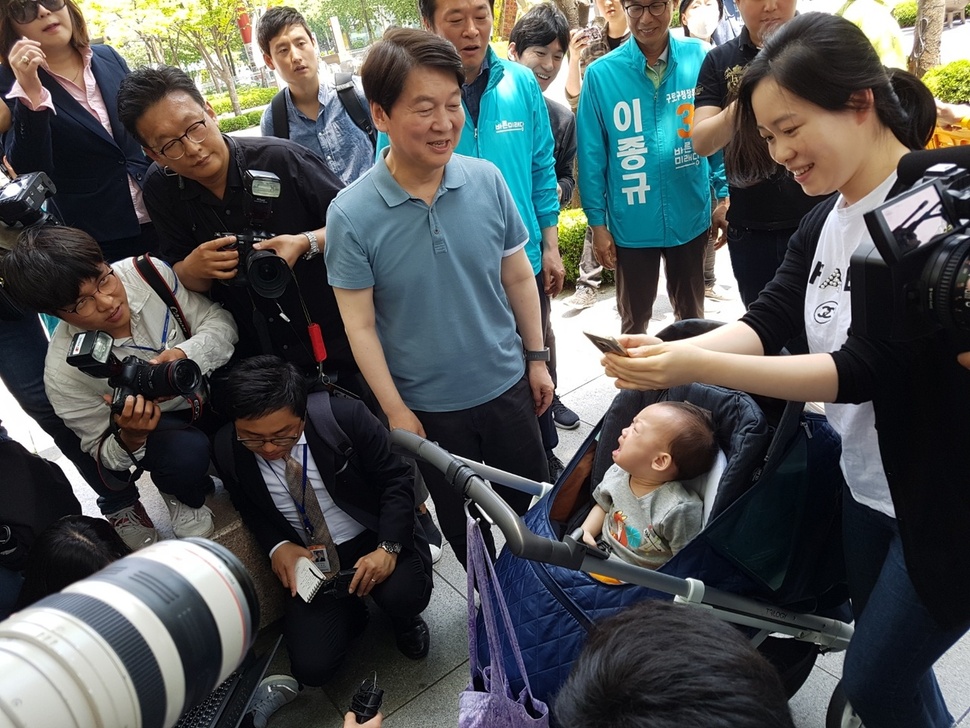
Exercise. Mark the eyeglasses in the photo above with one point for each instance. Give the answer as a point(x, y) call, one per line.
point(175, 149)
point(106, 286)
point(26, 11)
point(257, 442)
point(656, 9)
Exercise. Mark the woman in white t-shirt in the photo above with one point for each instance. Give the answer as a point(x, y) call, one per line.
point(825, 108)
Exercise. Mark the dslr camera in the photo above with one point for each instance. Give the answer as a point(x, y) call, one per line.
point(91, 353)
point(916, 278)
point(262, 270)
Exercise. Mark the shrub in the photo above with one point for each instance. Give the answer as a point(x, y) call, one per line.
point(905, 13)
point(950, 83)
point(572, 231)
point(243, 121)
point(248, 98)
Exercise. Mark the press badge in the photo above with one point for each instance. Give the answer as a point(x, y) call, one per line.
point(320, 558)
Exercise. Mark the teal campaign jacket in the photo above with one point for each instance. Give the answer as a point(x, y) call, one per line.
point(638, 172)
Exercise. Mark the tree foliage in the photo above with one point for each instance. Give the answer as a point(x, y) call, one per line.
point(357, 17)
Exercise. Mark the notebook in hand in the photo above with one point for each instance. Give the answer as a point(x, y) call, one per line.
point(227, 704)
point(309, 579)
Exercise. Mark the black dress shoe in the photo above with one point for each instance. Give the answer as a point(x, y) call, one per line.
point(415, 640)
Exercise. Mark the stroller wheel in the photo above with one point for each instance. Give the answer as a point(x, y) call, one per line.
point(840, 713)
point(793, 659)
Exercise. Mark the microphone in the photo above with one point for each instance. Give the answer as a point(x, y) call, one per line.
point(912, 167)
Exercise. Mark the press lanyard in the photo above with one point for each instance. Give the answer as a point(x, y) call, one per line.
point(168, 316)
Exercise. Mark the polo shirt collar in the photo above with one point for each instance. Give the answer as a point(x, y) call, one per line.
point(744, 41)
point(395, 195)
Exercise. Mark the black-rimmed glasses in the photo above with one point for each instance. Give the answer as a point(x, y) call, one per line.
point(106, 286)
point(255, 443)
point(175, 149)
point(634, 10)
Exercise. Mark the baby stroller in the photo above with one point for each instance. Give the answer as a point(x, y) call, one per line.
point(768, 559)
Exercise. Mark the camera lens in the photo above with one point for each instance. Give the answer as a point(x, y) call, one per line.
point(136, 644)
point(268, 273)
point(946, 278)
point(169, 378)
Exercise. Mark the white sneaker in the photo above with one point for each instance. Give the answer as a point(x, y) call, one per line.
point(272, 694)
point(187, 521)
point(435, 553)
point(584, 297)
point(717, 293)
point(134, 526)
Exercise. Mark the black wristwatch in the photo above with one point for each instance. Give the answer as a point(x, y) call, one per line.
point(390, 546)
point(541, 355)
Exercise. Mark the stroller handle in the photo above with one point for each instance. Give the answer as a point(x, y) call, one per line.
point(519, 539)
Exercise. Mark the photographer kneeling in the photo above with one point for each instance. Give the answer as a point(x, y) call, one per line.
point(111, 313)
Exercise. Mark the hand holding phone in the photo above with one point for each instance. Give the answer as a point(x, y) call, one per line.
point(606, 344)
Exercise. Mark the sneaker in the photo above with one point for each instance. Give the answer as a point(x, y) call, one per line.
point(564, 417)
point(134, 526)
point(584, 297)
point(717, 293)
point(436, 553)
point(188, 521)
point(555, 467)
point(272, 694)
point(432, 533)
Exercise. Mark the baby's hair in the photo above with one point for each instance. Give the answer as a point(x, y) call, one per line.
point(693, 448)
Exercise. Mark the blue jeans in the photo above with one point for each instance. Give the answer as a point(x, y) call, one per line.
point(23, 348)
point(888, 671)
point(755, 256)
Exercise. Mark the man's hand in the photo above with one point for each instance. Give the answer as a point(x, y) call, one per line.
point(405, 419)
point(372, 569)
point(719, 223)
point(288, 247)
point(553, 271)
point(137, 420)
point(168, 355)
point(964, 359)
point(603, 247)
point(541, 384)
point(284, 563)
point(350, 721)
point(210, 261)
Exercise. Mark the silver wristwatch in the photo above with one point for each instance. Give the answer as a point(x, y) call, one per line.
point(314, 250)
point(390, 546)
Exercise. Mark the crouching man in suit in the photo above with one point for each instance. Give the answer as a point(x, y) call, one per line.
point(314, 476)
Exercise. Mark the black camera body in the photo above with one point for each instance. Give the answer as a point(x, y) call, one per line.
point(22, 200)
point(915, 279)
point(91, 353)
point(262, 270)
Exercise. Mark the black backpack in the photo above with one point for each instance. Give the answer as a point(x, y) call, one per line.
point(346, 91)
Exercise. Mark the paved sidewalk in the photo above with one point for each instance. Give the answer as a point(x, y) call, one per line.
point(425, 693)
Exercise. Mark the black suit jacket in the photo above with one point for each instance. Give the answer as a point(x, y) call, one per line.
point(375, 488)
point(89, 168)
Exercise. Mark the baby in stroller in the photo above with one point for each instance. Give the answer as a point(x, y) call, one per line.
point(643, 513)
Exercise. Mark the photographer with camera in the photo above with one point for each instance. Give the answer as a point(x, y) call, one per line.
point(900, 407)
point(313, 476)
point(109, 313)
point(209, 192)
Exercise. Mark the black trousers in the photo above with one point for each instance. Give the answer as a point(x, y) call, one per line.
point(318, 634)
point(503, 433)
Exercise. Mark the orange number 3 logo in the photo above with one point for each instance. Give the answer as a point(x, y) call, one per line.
point(686, 114)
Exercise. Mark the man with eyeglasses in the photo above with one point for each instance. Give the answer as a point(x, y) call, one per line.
point(645, 190)
point(344, 467)
point(196, 192)
point(61, 271)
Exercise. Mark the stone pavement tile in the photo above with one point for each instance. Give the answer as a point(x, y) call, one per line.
point(437, 706)
point(403, 679)
point(809, 704)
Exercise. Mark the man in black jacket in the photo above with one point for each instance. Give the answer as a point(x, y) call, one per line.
point(366, 498)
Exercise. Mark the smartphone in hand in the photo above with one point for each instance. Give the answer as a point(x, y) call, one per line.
point(606, 344)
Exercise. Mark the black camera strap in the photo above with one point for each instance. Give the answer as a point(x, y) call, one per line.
point(149, 273)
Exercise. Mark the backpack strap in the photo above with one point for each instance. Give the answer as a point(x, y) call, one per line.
point(346, 89)
point(223, 454)
point(281, 123)
point(320, 412)
point(149, 273)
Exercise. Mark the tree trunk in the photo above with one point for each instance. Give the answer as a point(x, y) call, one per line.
point(570, 8)
point(927, 35)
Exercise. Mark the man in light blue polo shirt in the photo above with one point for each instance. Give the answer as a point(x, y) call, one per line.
point(426, 254)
